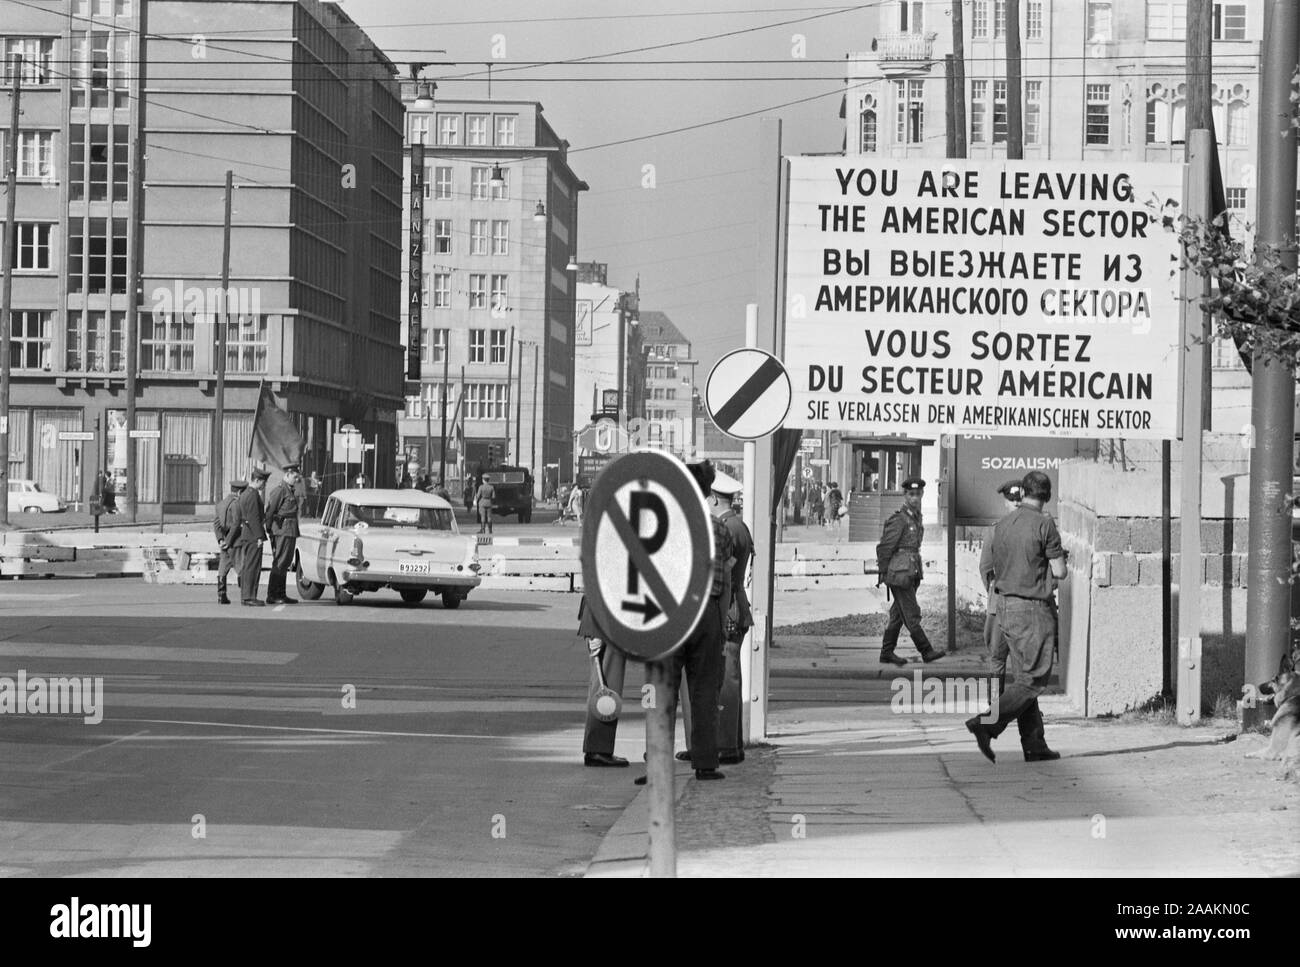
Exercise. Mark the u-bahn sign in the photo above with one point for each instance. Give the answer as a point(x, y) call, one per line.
point(1010, 298)
point(647, 554)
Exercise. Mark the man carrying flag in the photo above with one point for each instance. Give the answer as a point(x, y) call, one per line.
point(276, 442)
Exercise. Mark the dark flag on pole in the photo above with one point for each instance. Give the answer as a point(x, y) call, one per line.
point(275, 441)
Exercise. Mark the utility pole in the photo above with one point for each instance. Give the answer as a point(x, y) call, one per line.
point(532, 452)
point(1182, 658)
point(446, 368)
point(1268, 600)
point(223, 329)
point(7, 287)
point(950, 106)
point(135, 273)
point(510, 364)
point(1200, 115)
point(519, 409)
point(1015, 91)
point(959, 78)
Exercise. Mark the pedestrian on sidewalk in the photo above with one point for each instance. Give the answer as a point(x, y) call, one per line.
point(1030, 724)
point(834, 500)
point(898, 559)
point(598, 736)
point(1027, 560)
point(817, 505)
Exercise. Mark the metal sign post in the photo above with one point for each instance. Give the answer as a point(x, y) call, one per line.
point(647, 567)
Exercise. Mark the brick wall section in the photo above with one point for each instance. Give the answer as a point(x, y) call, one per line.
point(1109, 518)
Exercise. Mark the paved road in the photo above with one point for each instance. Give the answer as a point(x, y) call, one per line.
point(461, 756)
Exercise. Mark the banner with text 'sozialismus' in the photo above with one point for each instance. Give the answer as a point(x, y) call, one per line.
point(1012, 298)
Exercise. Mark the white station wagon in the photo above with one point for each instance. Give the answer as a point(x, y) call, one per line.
point(368, 539)
point(26, 496)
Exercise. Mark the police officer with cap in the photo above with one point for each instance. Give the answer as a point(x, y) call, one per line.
point(738, 618)
point(898, 557)
point(282, 510)
point(224, 526)
point(250, 535)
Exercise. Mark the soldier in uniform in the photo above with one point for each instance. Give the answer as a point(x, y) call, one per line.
point(1027, 561)
point(701, 655)
point(225, 525)
point(1031, 723)
point(898, 556)
point(282, 510)
point(251, 534)
point(737, 620)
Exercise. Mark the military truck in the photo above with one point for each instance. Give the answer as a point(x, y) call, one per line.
point(514, 491)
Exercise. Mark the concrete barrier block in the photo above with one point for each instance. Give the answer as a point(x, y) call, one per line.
point(843, 582)
point(1240, 535)
point(510, 582)
point(1212, 536)
point(1151, 569)
point(1123, 570)
point(1112, 534)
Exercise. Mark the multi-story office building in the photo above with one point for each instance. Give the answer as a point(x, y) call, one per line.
point(499, 287)
point(1104, 81)
point(293, 99)
point(669, 384)
point(603, 312)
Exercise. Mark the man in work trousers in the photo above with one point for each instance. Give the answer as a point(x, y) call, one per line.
point(701, 655)
point(1031, 723)
point(282, 509)
point(251, 535)
point(225, 525)
point(1027, 556)
point(737, 619)
point(898, 556)
point(598, 737)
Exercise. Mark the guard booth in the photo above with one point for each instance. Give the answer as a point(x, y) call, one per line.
point(876, 468)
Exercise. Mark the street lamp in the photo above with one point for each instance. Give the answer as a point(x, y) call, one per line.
point(498, 178)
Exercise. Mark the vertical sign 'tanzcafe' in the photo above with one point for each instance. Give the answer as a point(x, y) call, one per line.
point(416, 275)
point(1011, 298)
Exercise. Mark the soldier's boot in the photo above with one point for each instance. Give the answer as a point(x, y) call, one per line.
point(1033, 738)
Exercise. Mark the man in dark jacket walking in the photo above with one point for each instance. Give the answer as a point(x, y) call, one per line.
point(898, 557)
point(225, 526)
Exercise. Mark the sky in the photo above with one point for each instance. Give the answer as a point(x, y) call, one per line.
point(690, 238)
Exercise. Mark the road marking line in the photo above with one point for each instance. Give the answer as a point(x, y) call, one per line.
point(295, 728)
point(215, 656)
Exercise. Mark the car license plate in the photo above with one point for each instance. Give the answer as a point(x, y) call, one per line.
point(412, 567)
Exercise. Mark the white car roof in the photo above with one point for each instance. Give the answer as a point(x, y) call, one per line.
point(376, 497)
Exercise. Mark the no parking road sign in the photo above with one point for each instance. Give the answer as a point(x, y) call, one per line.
point(647, 554)
point(748, 394)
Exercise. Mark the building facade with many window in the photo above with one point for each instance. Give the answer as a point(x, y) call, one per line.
point(295, 101)
point(603, 310)
point(669, 385)
point(497, 295)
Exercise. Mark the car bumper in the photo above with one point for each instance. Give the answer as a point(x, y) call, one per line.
point(387, 578)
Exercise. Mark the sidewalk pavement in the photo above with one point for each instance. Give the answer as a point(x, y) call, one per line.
point(860, 790)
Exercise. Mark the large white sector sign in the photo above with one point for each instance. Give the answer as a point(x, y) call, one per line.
point(1012, 298)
